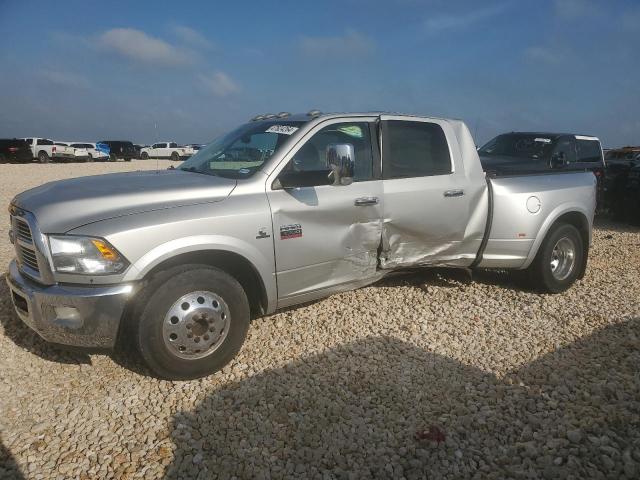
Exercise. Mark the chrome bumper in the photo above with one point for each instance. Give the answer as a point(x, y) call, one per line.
point(69, 315)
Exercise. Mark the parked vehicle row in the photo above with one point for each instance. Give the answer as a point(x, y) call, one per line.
point(45, 150)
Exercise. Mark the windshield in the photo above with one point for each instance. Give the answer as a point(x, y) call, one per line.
point(240, 153)
point(519, 145)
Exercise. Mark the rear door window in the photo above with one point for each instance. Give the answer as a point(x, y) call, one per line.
point(588, 151)
point(173, 145)
point(414, 149)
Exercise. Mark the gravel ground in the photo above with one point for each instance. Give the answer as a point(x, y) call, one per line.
point(420, 376)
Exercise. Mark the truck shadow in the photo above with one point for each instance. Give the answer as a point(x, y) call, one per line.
point(383, 408)
point(26, 338)
point(9, 469)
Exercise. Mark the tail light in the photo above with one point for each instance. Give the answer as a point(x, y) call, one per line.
point(13, 149)
point(53, 149)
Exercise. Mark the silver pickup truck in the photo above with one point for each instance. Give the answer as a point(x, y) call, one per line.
point(283, 210)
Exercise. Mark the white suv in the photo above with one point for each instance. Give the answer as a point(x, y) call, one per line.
point(92, 151)
point(166, 150)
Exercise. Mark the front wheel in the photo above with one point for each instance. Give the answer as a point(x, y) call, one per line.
point(559, 260)
point(175, 156)
point(190, 321)
point(89, 158)
point(112, 157)
point(144, 156)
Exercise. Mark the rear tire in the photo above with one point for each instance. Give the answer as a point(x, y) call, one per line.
point(176, 342)
point(559, 260)
point(144, 156)
point(3, 159)
point(43, 157)
point(90, 158)
point(175, 157)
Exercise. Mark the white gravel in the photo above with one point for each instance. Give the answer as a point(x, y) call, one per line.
point(421, 376)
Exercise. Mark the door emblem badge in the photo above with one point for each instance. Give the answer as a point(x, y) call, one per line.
point(290, 231)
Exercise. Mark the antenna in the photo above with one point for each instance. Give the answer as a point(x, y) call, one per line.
point(157, 161)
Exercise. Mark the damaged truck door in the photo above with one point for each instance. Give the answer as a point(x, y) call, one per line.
point(327, 230)
point(434, 205)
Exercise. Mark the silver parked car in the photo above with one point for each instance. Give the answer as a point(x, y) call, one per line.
point(282, 210)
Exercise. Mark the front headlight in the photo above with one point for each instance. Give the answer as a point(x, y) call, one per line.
point(85, 255)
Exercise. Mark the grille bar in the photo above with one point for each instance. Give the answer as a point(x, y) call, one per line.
point(28, 257)
point(23, 231)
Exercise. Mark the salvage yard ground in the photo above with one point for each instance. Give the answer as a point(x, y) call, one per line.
point(423, 375)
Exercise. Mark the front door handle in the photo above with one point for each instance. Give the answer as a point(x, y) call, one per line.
point(454, 193)
point(364, 201)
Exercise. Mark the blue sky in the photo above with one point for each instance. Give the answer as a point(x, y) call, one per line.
point(188, 71)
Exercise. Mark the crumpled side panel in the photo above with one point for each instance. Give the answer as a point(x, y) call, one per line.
point(401, 248)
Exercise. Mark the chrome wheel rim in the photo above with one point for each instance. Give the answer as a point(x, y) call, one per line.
point(563, 258)
point(196, 325)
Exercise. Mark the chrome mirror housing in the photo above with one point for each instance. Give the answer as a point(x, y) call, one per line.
point(340, 158)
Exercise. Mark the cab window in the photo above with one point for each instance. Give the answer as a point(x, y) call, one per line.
point(414, 149)
point(311, 156)
point(588, 151)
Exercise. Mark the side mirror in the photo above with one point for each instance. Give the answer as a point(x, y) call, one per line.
point(558, 160)
point(340, 159)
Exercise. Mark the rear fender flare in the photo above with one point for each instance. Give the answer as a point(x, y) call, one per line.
point(552, 218)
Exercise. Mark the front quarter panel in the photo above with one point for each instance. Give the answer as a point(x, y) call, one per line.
point(240, 224)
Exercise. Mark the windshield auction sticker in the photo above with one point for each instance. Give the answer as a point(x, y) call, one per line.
point(283, 129)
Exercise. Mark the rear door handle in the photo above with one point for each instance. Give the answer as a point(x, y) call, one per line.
point(364, 201)
point(454, 193)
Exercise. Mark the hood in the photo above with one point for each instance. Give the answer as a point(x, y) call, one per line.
point(68, 204)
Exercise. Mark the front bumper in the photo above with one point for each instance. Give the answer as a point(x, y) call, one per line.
point(69, 315)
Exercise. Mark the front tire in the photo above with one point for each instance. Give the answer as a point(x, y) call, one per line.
point(89, 158)
point(559, 260)
point(190, 321)
point(144, 156)
point(112, 157)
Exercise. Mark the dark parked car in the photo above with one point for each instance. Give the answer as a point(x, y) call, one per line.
point(622, 186)
point(616, 183)
point(120, 149)
point(137, 149)
point(534, 152)
point(15, 150)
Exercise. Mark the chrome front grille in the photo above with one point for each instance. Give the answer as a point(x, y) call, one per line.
point(23, 231)
point(30, 245)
